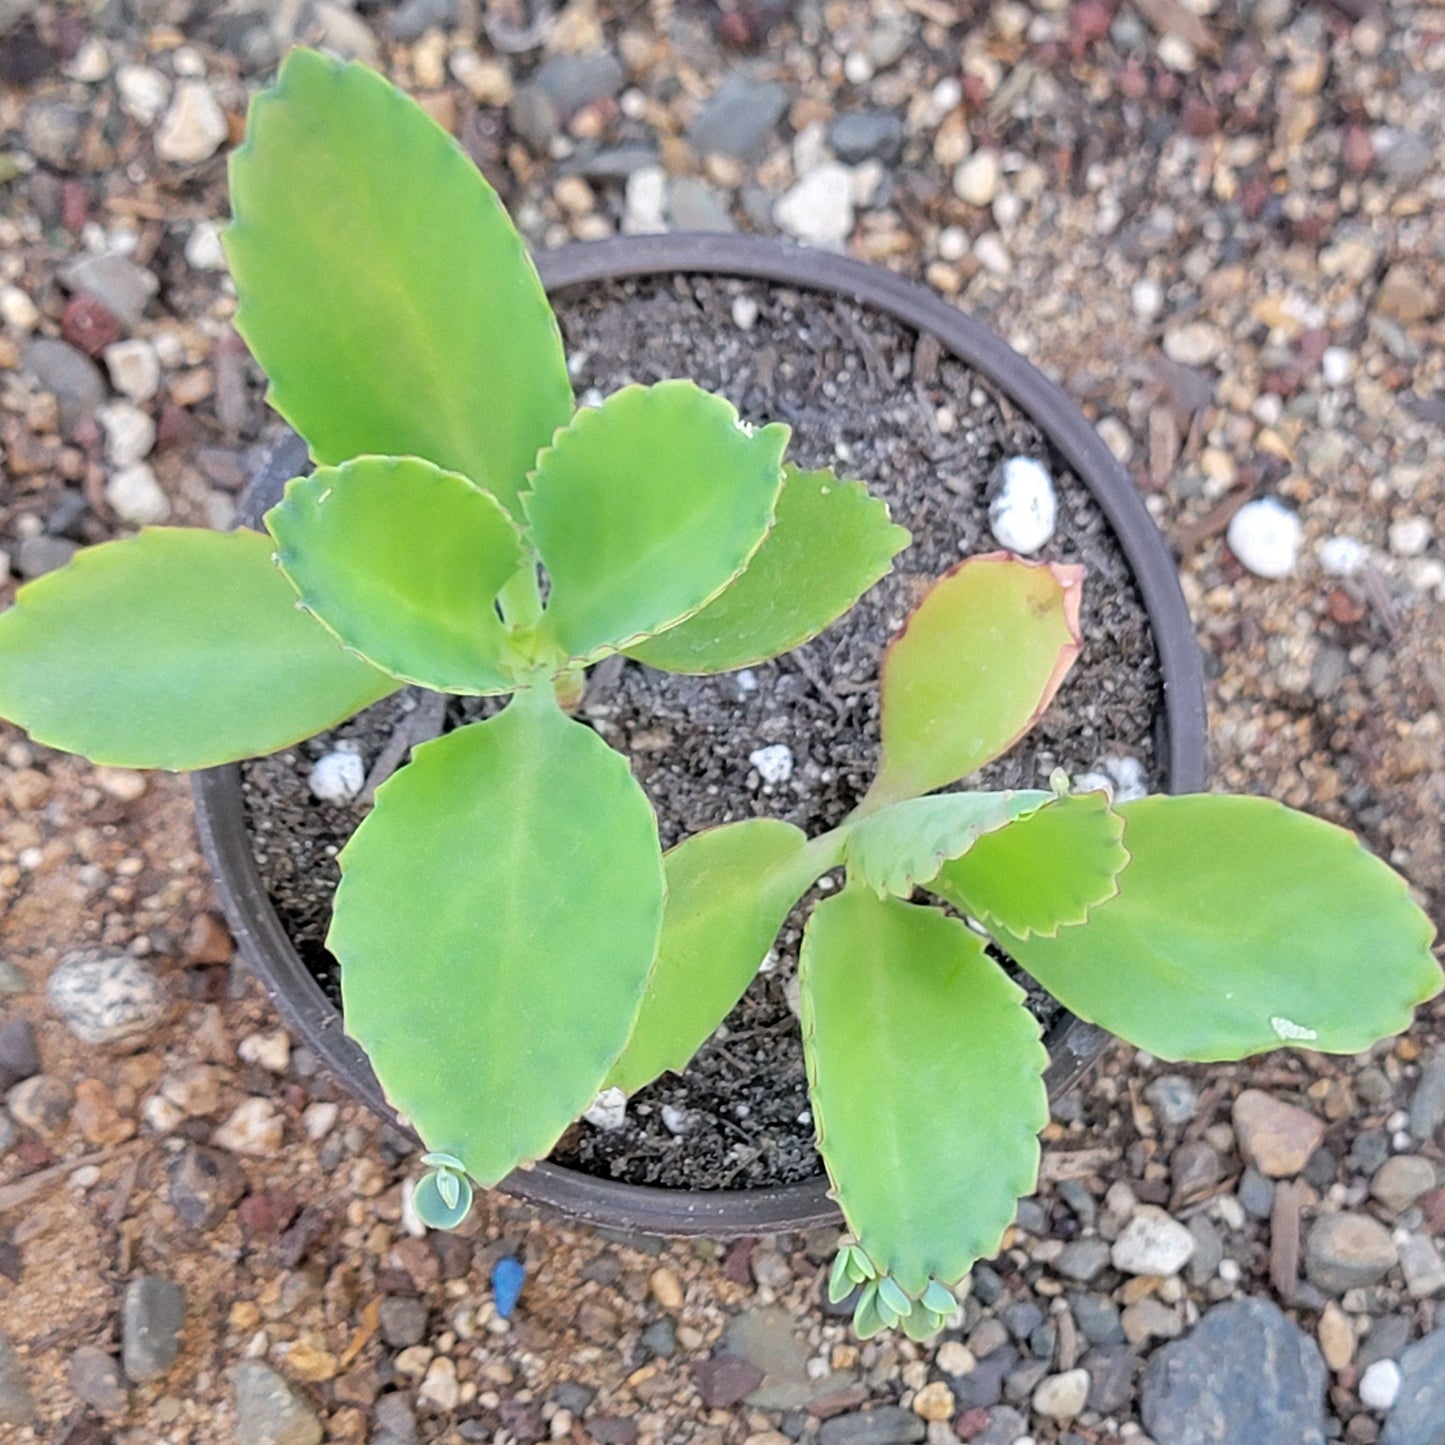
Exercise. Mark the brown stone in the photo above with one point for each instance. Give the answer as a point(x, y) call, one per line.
point(1277, 1138)
point(97, 1117)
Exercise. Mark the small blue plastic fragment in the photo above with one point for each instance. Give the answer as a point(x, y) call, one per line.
point(507, 1277)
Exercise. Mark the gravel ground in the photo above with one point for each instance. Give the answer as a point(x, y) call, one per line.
point(1219, 225)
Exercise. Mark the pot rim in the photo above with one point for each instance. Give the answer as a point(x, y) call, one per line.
point(1073, 1045)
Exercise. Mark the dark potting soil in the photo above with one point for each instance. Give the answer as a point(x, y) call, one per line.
point(875, 401)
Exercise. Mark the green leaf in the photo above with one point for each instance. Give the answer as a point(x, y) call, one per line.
point(645, 508)
point(1044, 872)
point(973, 669)
point(403, 562)
point(382, 286)
point(1241, 926)
point(498, 913)
point(175, 648)
point(926, 1076)
point(442, 1199)
point(830, 544)
point(729, 890)
point(903, 846)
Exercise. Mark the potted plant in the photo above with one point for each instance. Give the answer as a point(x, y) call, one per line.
point(512, 937)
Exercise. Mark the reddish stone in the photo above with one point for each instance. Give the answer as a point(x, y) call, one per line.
point(86, 324)
point(74, 205)
point(1343, 608)
point(1201, 119)
point(1359, 150)
point(1089, 20)
point(971, 1424)
point(1133, 83)
point(266, 1213)
point(738, 1262)
point(724, 1380)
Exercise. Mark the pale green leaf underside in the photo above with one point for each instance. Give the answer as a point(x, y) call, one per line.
point(831, 542)
point(1242, 926)
point(645, 508)
point(729, 891)
point(403, 562)
point(926, 1077)
point(976, 664)
point(176, 648)
point(382, 286)
point(497, 917)
point(905, 844)
point(1045, 872)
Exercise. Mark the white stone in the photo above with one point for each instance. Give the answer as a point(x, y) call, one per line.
point(1177, 53)
point(1380, 1385)
point(129, 433)
point(91, 62)
point(1194, 343)
point(338, 776)
point(17, 310)
point(819, 208)
point(1023, 515)
point(1129, 782)
point(1148, 299)
point(745, 313)
point(144, 92)
point(203, 247)
point(134, 367)
point(440, 1390)
point(645, 197)
point(955, 1358)
point(1336, 365)
point(1265, 536)
point(1409, 536)
point(992, 254)
point(1061, 1397)
point(607, 1111)
point(319, 1119)
point(135, 496)
point(194, 128)
point(1342, 556)
point(675, 1120)
point(773, 762)
point(952, 243)
point(254, 1128)
point(271, 1050)
point(1153, 1242)
point(975, 180)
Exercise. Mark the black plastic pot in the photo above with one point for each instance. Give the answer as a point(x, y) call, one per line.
point(1073, 1045)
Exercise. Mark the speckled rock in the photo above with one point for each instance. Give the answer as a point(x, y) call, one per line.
point(269, 1411)
point(108, 998)
point(1245, 1373)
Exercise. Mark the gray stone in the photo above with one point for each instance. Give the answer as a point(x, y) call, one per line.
point(1419, 1414)
point(864, 135)
point(36, 556)
point(70, 376)
point(1023, 1380)
point(8, 1134)
point(1347, 1251)
point(767, 1337)
point(13, 979)
point(1384, 1340)
point(204, 1184)
point(1256, 1194)
point(1111, 1377)
point(1173, 1099)
point(740, 118)
point(1097, 1319)
point(1082, 1259)
point(95, 1378)
point(886, 1425)
point(19, 1056)
point(1245, 1373)
point(53, 132)
point(1402, 1180)
point(122, 287)
point(403, 1321)
point(152, 1317)
point(108, 998)
point(1421, 1265)
point(269, 1411)
point(1194, 1169)
point(1403, 156)
point(40, 1103)
point(558, 89)
point(394, 1413)
point(1022, 1318)
point(615, 163)
point(17, 1406)
point(414, 18)
point(983, 1385)
point(661, 1338)
point(693, 205)
point(1208, 1250)
point(1369, 1150)
point(1427, 1107)
point(1005, 1425)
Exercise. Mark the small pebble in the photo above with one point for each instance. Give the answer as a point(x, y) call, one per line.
point(135, 496)
point(1410, 536)
point(1194, 343)
point(1152, 1243)
point(1342, 556)
point(818, 209)
point(194, 127)
point(1380, 1385)
point(773, 762)
point(608, 1111)
point(975, 181)
point(135, 369)
point(337, 776)
point(1023, 515)
point(254, 1128)
point(1265, 536)
point(203, 248)
point(1061, 1397)
point(143, 92)
point(17, 310)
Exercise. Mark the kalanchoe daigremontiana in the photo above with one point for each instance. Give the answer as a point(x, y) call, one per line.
point(511, 937)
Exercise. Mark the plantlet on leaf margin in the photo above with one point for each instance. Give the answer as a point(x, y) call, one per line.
point(550, 946)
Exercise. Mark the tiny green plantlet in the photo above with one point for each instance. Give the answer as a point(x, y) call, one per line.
point(511, 937)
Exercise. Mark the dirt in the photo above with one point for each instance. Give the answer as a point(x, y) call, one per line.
point(928, 436)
